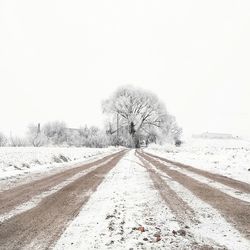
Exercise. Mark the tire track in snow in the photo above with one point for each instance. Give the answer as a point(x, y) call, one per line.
point(209, 181)
point(223, 188)
point(38, 198)
point(133, 215)
point(16, 199)
point(186, 215)
point(236, 215)
point(40, 227)
point(235, 184)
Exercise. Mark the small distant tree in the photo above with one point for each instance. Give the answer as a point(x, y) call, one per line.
point(3, 140)
point(73, 137)
point(171, 131)
point(93, 137)
point(55, 132)
point(35, 135)
point(178, 143)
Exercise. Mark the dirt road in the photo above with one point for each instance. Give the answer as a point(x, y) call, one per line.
point(44, 222)
point(234, 210)
point(127, 200)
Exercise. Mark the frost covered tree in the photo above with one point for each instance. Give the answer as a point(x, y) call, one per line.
point(93, 137)
point(55, 132)
point(3, 140)
point(73, 137)
point(35, 135)
point(137, 113)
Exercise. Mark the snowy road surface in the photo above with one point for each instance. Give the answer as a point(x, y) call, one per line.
point(127, 200)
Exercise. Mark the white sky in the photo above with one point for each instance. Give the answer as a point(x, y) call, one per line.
point(60, 59)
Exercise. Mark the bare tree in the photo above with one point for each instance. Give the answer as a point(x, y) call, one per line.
point(3, 140)
point(139, 112)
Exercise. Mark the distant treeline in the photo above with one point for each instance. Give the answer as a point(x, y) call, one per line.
point(57, 133)
point(134, 117)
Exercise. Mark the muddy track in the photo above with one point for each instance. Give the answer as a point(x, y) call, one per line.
point(235, 211)
point(241, 186)
point(184, 213)
point(11, 198)
point(41, 226)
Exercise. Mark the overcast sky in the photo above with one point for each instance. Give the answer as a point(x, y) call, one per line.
point(60, 59)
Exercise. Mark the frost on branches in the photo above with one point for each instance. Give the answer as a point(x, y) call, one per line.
point(137, 117)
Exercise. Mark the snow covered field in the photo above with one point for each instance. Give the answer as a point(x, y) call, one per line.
point(17, 162)
point(228, 157)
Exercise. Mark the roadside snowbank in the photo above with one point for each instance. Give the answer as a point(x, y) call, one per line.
point(228, 157)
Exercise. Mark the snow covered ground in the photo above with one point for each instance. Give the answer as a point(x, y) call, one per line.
point(138, 205)
point(17, 162)
point(127, 212)
point(228, 157)
point(115, 212)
